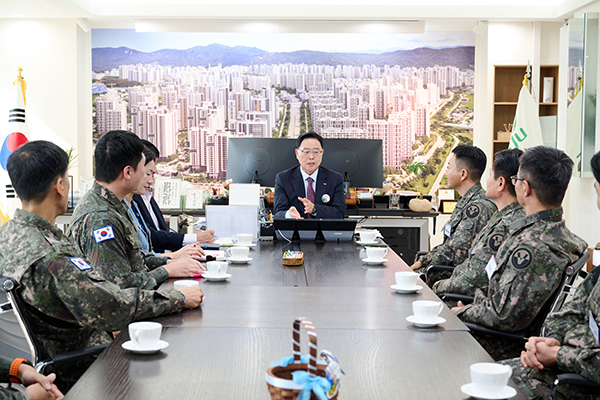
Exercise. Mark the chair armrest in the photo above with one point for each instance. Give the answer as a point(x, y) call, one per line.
point(577, 380)
point(70, 356)
point(440, 268)
point(458, 297)
point(419, 254)
point(516, 336)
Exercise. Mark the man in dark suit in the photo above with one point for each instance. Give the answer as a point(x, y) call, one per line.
point(309, 190)
point(160, 235)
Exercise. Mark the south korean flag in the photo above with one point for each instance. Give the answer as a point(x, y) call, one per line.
point(79, 263)
point(105, 233)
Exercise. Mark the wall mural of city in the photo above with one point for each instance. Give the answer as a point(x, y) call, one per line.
point(188, 93)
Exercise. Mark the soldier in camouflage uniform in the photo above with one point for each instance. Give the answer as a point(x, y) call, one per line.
point(102, 227)
point(529, 265)
point(571, 342)
point(474, 209)
point(39, 387)
point(471, 275)
point(69, 304)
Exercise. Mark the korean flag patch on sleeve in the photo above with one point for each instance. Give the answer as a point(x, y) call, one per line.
point(102, 234)
point(79, 263)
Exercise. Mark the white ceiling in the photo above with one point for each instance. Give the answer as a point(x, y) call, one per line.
point(438, 14)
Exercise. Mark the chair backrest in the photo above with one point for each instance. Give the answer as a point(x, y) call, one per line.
point(16, 339)
point(555, 302)
point(571, 274)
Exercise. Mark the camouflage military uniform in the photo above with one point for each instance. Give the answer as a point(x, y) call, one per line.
point(471, 214)
point(102, 228)
point(69, 304)
point(471, 275)
point(5, 393)
point(579, 351)
point(530, 265)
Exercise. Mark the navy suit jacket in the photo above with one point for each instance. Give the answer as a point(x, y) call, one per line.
point(162, 238)
point(289, 185)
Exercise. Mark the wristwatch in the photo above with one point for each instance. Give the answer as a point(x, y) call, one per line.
point(14, 369)
point(314, 211)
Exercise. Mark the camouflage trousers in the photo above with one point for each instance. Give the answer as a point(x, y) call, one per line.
point(537, 384)
point(498, 347)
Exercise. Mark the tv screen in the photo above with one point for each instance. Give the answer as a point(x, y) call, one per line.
point(259, 160)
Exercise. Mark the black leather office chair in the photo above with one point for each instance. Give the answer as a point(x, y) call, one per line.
point(17, 338)
point(444, 270)
point(577, 381)
point(553, 304)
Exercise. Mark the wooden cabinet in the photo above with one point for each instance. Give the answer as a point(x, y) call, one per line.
point(508, 80)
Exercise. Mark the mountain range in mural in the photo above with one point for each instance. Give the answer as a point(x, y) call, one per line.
point(106, 58)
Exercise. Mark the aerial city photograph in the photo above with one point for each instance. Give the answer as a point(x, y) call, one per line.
point(188, 93)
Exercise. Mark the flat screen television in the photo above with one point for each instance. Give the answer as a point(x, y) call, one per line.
point(360, 161)
point(259, 160)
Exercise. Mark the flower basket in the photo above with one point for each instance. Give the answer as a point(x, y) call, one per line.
point(283, 384)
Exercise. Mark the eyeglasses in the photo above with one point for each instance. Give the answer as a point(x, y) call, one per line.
point(514, 180)
point(314, 152)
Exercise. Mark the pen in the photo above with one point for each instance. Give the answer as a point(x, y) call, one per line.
point(197, 276)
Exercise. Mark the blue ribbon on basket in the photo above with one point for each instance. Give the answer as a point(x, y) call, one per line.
point(318, 385)
point(285, 361)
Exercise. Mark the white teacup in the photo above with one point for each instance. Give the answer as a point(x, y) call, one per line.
point(406, 279)
point(427, 310)
point(376, 253)
point(367, 236)
point(145, 334)
point(216, 268)
point(490, 377)
point(185, 283)
point(244, 239)
point(238, 252)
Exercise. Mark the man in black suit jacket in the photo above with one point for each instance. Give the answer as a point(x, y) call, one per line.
point(160, 235)
point(294, 198)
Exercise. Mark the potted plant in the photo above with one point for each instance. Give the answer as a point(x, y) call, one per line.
point(419, 204)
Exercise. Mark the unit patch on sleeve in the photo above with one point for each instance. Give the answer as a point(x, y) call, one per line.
point(521, 258)
point(105, 233)
point(496, 241)
point(79, 263)
point(472, 211)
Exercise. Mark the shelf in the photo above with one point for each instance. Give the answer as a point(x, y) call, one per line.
point(508, 81)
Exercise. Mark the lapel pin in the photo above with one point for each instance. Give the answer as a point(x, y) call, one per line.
point(325, 198)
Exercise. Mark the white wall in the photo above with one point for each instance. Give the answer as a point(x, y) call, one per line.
point(55, 56)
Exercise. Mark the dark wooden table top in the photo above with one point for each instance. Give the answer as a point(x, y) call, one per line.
point(230, 363)
point(222, 349)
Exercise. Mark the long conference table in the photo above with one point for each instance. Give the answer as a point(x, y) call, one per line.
point(222, 349)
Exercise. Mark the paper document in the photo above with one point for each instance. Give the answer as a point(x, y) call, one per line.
point(244, 194)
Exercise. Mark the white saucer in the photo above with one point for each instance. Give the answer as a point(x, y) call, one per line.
point(420, 324)
point(129, 345)
point(471, 390)
point(245, 245)
point(215, 278)
point(374, 261)
point(239, 260)
point(363, 243)
point(406, 290)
